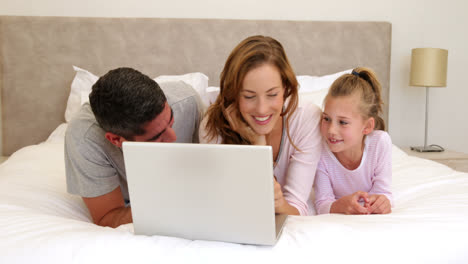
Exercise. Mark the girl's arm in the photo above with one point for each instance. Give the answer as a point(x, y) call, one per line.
point(382, 180)
point(325, 201)
point(324, 195)
point(349, 204)
point(381, 199)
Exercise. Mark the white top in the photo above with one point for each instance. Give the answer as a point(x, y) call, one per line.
point(374, 174)
point(295, 170)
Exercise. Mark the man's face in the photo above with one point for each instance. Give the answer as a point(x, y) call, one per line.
point(157, 130)
point(160, 128)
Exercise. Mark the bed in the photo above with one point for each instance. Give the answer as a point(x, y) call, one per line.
point(41, 223)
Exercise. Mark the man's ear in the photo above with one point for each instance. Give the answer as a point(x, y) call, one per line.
point(115, 139)
point(369, 126)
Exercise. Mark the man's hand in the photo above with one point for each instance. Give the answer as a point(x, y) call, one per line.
point(379, 204)
point(245, 131)
point(350, 204)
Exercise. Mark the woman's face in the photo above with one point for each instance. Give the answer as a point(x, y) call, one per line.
point(261, 98)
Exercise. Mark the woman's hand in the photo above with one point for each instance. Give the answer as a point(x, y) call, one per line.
point(245, 131)
point(379, 204)
point(281, 205)
point(350, 204)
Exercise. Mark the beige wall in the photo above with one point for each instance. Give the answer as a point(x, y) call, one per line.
point(416, 23)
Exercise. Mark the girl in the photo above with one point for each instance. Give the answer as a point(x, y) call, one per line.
point(257, 105)
point(355, 171)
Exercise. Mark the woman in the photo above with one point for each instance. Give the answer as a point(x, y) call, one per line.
point(258, 104)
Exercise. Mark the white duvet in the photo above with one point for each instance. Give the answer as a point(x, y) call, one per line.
point(41, 223)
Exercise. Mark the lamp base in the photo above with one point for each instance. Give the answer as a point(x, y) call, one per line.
point(430, 148)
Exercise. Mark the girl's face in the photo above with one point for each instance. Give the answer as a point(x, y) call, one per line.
point(261, 98)
point(343, 126)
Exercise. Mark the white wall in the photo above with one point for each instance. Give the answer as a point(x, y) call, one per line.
point(416, 23)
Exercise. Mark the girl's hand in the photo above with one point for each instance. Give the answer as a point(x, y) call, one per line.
point(350, 204)
point(245, 131)
point(379, 204)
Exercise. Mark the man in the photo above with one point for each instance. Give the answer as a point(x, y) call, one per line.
point(124, 105)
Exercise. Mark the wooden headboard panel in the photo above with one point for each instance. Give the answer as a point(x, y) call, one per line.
point(37, 54)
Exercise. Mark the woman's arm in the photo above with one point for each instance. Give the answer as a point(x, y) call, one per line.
point(302, 164)
point(281, 205)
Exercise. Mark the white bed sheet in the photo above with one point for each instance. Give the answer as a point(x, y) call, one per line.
point(41, 223)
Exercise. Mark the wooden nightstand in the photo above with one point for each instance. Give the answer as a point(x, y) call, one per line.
point(455, 160)
point(3, 158)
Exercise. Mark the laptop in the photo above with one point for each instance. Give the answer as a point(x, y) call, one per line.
point(213, 192)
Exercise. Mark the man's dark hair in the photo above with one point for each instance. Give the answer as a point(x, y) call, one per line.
point(124, 99)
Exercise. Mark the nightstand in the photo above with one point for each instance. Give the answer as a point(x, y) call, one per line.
point(455, 160)
point(3, 158)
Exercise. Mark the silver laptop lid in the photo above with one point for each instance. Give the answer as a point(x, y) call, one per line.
point(202, 191)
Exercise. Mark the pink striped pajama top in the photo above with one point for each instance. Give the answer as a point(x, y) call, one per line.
point(374, 174)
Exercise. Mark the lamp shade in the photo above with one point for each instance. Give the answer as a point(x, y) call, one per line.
point(428, 67)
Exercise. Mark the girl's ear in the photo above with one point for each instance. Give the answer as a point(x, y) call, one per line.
point(369, 126)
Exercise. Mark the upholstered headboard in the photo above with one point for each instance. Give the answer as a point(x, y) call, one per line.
point(37, 54)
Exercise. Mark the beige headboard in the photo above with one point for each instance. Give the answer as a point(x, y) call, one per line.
point(37, 54)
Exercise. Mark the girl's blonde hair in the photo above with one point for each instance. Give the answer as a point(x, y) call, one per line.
point(251, 53)
point(363, 81)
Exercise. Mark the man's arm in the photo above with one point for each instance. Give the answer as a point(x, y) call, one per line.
point(109, 209)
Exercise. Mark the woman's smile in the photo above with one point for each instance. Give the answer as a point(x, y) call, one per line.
point(261, 99)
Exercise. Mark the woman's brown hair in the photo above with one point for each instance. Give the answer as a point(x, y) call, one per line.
point(364, 81)
point(251, 53)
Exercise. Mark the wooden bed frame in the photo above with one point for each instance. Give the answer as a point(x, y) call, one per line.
point(37, 54)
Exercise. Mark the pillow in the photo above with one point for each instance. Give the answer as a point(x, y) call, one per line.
point(58, 134)
point(197, 80)
point(211, 95)
point(84, 80)
point(315, 97)
point(315, 83)
point(312, 89)
point(80, 87)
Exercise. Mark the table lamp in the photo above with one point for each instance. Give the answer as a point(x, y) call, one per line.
point(428, 69)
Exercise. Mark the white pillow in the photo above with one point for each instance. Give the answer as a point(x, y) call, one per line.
point(315, 83)
point(58, 134)
point(80, 87)
point(197, 80)
point(84, 80)
point(211, 95)
point(315, 97)
point(312, 89)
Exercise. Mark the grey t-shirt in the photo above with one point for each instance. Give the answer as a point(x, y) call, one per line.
point(95, 167)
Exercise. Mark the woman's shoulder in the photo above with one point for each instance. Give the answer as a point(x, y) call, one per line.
point(204, 136)
point(306, 113)
point(202, 130)
point(304, 126)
